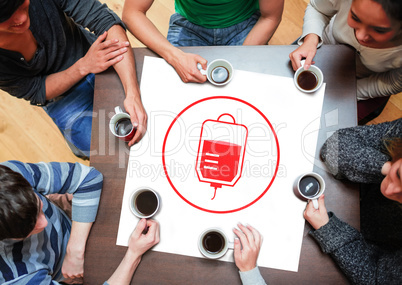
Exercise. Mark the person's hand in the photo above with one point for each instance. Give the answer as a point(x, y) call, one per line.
point(307, 50)
point(102, 54)
point(246, 249)
point(73, 265)
point(316, 218)
point(185, 65)
point(139, 118)
point(139, 242)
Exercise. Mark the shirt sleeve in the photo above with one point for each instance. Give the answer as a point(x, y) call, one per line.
point(252, 277)
point(91, 14)
point(40, 277)
point(317, 16)
point(380, 84)
point(361, 263)
point(32, 89)
point(85, 183)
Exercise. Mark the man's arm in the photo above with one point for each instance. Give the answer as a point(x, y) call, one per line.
point(102, 54)
point(138, 244)
point(128, 76)
point(264, 29)
point(185, 64)
point(73, 264)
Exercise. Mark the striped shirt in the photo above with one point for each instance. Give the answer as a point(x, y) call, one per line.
point(38, 259)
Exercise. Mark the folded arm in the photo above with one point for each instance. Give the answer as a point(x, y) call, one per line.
point(73, 263)
point(380, 84)
point(103, 53)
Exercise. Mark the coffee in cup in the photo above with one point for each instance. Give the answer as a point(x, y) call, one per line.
point(219, 72)
point(309, 186)
point(120, 125)
point(213, 243)
point(309, 80)
point(144, 202)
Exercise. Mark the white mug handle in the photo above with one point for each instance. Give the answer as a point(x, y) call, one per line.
point(315, 203)
point(203, 71)
point(230, 245)
point(117, 110)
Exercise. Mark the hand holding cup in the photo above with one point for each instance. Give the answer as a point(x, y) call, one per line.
point(120, 125)
point(309, 80)
point(316, 217)
point(219, 72)
point(309, 186)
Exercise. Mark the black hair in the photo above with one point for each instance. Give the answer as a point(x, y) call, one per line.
point(19, 205)
point(393, 8)
point(8, 7)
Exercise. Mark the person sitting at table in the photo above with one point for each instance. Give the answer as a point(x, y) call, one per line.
point(38, 242)
point(371, 155)
point(47, 56)
point(373, 29)
point(203, 23)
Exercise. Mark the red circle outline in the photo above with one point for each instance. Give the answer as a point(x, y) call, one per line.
point(164, 164)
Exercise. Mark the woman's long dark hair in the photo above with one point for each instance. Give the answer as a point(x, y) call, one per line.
point(393, 8)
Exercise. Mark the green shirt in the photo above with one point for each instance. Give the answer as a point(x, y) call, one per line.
point(216, 13)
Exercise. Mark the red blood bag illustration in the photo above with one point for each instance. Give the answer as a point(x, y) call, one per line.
point(221, 152)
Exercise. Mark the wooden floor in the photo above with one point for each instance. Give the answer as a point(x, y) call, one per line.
point(28, 134)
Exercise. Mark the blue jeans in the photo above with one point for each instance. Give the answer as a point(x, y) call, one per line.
point(184, 33)
point(72, 113)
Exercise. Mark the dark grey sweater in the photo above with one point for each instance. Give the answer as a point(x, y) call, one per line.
point(357, 154)
point(58, 27)
point(373, 256)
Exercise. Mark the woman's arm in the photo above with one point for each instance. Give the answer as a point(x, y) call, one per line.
point(360, 262)
point(316, 18)
point(357, 153)
point(380, 84)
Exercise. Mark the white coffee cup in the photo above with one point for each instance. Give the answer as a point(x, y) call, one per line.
point(213, 243)
point(310, 186)
point(144, 202)
point(116, 120)
point(219, 72)
point(309, 80)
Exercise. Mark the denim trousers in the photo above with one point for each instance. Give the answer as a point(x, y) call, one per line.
point(184, 33)
point(72, 113)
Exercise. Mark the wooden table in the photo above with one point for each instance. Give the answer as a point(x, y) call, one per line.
point(110, 156)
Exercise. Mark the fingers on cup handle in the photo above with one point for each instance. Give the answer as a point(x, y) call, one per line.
point(315, 203)
point(203, 71)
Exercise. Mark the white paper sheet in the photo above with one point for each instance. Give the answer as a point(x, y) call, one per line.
point(276, 115)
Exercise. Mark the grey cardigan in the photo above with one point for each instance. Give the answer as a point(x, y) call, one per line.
point(374, 255)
